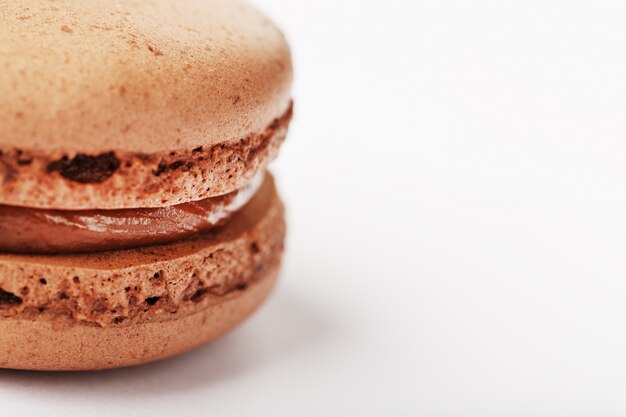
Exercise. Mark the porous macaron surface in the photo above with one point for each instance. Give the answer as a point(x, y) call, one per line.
point(46, 345)
point(140, 103)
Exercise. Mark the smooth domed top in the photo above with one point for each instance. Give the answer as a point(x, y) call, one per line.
point(137, 75)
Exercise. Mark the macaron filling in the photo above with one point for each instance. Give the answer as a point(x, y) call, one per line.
point(29, 230)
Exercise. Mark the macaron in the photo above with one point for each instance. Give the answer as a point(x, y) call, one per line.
point(137, 217)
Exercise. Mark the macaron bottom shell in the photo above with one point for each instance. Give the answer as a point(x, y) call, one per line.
point(52, 345)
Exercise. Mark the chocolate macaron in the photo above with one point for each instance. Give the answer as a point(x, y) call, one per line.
point(137, 220)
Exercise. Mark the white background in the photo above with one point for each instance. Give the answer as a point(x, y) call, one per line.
point(456, 185)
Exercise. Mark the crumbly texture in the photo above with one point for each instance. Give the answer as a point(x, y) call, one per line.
point(151, 284)
point(62, 345)
point(142, 76)
point(114, 179)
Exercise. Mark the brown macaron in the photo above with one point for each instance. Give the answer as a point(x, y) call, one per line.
point(136, 218)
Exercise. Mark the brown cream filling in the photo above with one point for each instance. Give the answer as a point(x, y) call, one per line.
point(28, 230)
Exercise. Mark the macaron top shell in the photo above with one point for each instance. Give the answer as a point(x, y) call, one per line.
point(145, 76)
point(140, 103)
